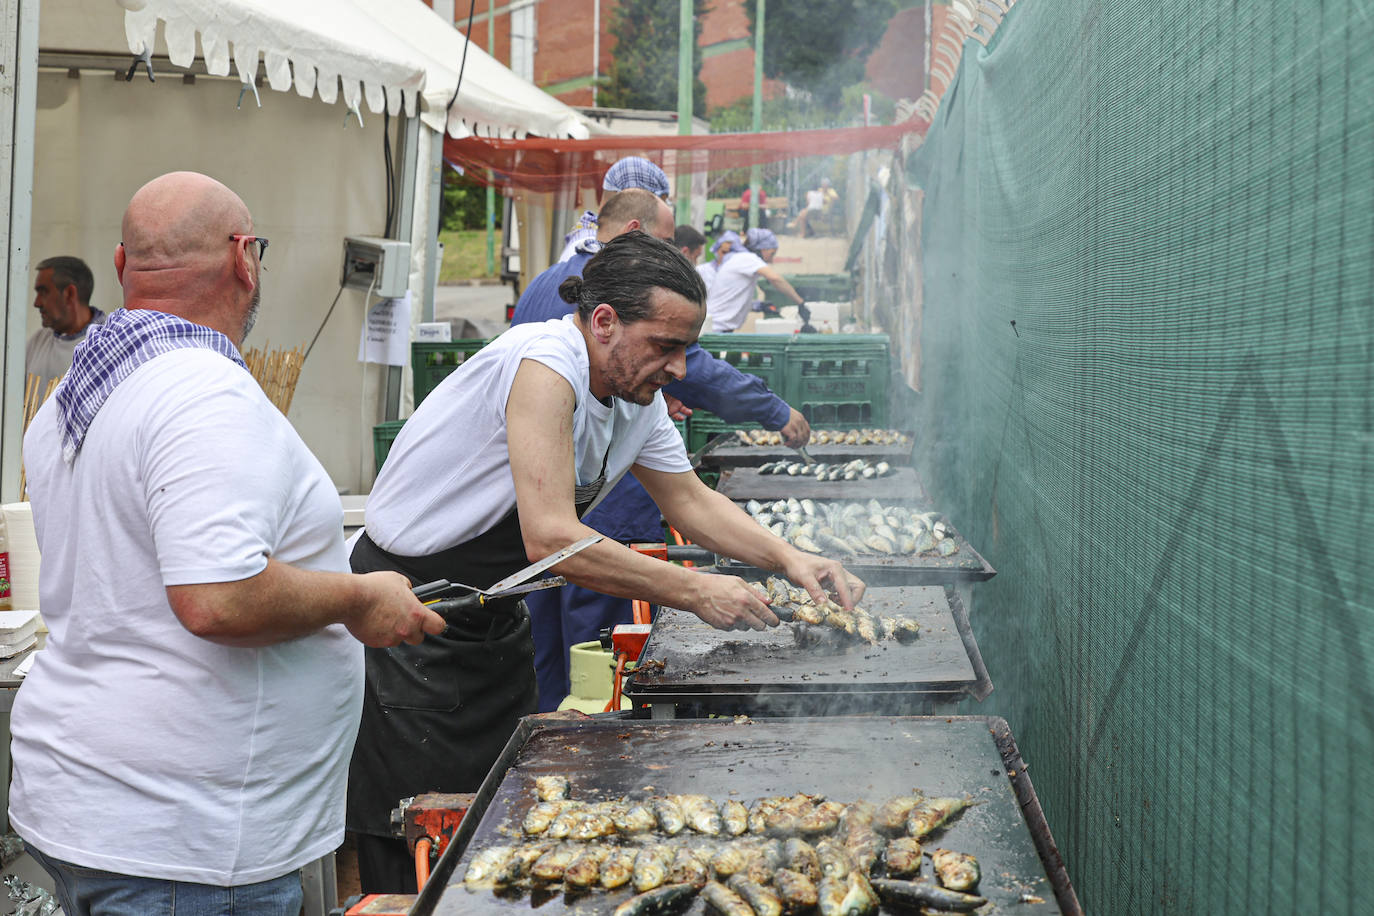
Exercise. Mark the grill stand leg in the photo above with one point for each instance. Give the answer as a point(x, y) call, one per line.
point(320, 884)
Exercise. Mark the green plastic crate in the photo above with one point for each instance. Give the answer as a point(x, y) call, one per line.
point(814, 287)
point(383, 434)
point(839, 379)
point(704, 426)
point(764, 355)
point(432, 362)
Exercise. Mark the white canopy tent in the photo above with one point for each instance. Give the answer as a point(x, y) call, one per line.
point(305, 172)
point(384, 50)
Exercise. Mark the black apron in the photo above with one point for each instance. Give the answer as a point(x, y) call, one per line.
point(437, 715)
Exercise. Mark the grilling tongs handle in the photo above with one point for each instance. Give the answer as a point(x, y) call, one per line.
point(690, 553)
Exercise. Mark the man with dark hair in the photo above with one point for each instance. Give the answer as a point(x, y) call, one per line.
point(573, 614)
point(690, 242)
point(63, 299)
point(495, 469)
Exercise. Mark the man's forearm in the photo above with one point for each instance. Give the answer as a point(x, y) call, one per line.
point(612, 568)
point(279, 603)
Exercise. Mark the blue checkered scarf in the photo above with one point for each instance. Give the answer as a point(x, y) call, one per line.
point(111, 352)
point(636, 172)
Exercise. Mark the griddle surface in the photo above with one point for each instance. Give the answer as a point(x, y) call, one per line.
point(748, 483)
point(769, 667)
point(720, 453)
point(845, 759)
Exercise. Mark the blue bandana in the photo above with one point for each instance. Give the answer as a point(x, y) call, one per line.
point(111, 352)
point(636, 172)
point(757, 240)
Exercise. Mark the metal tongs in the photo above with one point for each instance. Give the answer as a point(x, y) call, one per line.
point(805, 455)
point(438, 597)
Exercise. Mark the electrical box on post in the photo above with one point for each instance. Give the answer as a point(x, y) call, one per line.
point(381, 265)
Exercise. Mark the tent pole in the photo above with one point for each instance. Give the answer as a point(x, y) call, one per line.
point(18, 77)
point(407, 150)
point(686, 37)
point(491, 191)
point(755, 170)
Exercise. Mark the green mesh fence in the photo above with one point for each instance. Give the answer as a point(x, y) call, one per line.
point(1168, 455)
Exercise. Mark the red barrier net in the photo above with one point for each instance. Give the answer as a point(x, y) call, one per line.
point(543, 164)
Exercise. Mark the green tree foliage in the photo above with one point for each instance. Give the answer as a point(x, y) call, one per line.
point(464, 204)
point(643, 71)
point(821, 46)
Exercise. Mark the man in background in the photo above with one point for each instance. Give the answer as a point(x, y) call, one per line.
point(62, 295)
point(627, 173)
point(690, 242)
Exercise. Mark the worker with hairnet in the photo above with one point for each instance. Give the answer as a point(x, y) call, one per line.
point(630, 172)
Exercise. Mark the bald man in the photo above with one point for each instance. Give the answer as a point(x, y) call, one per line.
point(196, 705)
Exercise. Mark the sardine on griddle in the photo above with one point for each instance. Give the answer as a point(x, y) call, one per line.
point(957, 871)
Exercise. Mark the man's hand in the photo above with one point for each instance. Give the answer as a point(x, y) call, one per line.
point(797, 432)
point(676, 409)
point(728, 603)
point(390, 614)
point(813, 573)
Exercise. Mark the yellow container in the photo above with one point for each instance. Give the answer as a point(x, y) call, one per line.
point(591, 672)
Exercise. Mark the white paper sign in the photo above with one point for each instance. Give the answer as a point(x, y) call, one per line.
point(386, 332)
point(434, 332)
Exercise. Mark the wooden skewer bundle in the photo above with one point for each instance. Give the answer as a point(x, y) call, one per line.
point(32, 401)
point(277, 372)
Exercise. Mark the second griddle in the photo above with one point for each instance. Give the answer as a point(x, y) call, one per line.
point(770, 672)
point(748, 483)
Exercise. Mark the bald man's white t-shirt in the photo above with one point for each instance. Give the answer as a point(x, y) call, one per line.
point(139, 747)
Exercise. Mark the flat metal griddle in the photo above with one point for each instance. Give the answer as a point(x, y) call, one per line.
point(720, 452)
point(843, 758)
point(748, 483)
point(967, 565)
point(769, 673)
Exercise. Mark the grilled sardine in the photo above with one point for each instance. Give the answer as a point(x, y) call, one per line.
point(796, 891)
point(760, 898)
point(659, 900)
point(924, 894)
point(800, 856)
point(932, 814)
point(483, 868)
point(701, 814)
point(734, 817)
point(670, 817)
point(892, 814)
point(651, 867)
point(618, 868)
point(957, 871)
point(551, 788)
point(585, 868)
point(903, 857)
point(725, 901)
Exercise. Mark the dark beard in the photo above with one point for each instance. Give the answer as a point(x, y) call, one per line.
point(618, 378)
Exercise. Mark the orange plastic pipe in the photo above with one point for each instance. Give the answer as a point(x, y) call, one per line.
point(421, 863)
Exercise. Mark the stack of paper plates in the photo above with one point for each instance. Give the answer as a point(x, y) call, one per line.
point(18, 631)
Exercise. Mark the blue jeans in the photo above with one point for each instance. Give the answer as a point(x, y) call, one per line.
point(91, 892)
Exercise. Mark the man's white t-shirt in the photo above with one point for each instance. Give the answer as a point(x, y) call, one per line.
point(447, 477)
point(138, 747)
point(731, 290)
